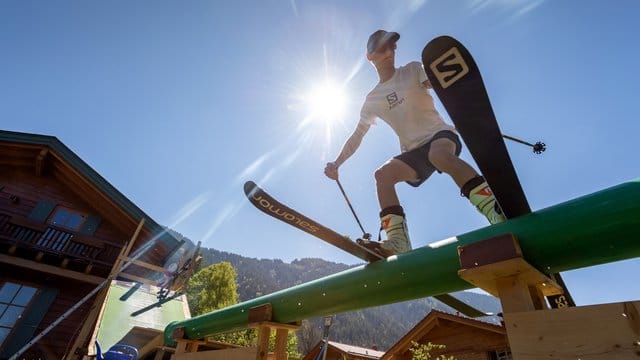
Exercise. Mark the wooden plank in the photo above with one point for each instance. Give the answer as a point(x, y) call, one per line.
point(485, 276)
point(49, 269)
point(137, 279)
point(143, 264)
point(24, 222)
point(606, 331)
point(492, 250)
point(224, 354)
point(88, 241)
point(260, 313)
point(117, 266)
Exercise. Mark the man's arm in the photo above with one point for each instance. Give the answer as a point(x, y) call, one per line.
point(348, 149)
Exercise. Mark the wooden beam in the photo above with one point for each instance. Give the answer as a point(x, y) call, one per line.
point(143, 264)
point(223, 354)
point(117, 266)
point(138, 279)
point(152, 344)
point(50, 269)
point(274, 325)
point(41, 161)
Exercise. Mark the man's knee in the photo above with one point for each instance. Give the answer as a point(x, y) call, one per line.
point(381, 174)
point(442, 158)
point(385, 175)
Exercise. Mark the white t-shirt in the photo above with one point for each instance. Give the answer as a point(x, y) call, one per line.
point(406, 105)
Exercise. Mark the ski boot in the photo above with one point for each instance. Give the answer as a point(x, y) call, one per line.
point(397, 242)
point(375, 246)
point(483, 199)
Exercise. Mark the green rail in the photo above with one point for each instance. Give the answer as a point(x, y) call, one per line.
point(594, 229)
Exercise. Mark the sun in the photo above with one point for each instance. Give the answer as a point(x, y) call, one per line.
point(327, 102)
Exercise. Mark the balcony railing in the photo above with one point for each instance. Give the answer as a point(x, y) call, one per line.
point(55, 242)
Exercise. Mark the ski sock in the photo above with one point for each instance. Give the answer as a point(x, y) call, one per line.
point(395, 226)
point(470, 184)
point(483, 199)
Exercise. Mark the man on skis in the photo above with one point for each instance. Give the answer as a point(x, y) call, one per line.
point(401, 99)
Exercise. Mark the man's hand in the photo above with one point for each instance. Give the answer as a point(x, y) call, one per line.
point(331, 170)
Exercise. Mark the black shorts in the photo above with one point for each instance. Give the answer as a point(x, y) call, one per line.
point(418, 158)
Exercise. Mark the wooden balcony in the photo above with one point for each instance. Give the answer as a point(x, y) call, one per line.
point(53, 245)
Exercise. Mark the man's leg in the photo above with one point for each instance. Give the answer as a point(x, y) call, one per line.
point(473, 186)
point(387, 176)
point(392, 215)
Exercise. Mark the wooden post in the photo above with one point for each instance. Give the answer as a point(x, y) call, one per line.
point(98, 305)
point(281, 344)
point(264, 332)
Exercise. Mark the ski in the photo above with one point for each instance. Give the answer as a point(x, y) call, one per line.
point(456, 79)
point(270, 206)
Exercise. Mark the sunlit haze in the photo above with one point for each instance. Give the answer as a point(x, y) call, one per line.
point(177, 104)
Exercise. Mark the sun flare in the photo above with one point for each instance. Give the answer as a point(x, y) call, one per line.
point(327, 102)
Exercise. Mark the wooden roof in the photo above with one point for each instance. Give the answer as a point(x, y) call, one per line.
point(46, 155)
point(432, 321)
point(353, 351)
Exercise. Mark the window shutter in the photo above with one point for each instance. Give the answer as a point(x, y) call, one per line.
point(90, 225)
point(30, 321)
point(41, 211)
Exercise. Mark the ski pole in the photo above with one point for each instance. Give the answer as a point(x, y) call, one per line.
point(538, 147)
point(365, 234)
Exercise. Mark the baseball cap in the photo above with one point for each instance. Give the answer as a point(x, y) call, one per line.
point(379, 38)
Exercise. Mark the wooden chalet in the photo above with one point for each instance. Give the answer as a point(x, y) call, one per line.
point(338, 351)
point(63, 230)
point(463, 338)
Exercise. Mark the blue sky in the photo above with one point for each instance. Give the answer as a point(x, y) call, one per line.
point(177, 104)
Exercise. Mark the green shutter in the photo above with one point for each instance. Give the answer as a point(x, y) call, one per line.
point(30, 321)
point(90, 225)
point(41, 211)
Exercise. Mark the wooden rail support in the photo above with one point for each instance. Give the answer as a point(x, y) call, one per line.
point(496, 266)
point(261, 317)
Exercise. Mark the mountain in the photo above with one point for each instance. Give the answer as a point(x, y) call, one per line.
point(378, 326)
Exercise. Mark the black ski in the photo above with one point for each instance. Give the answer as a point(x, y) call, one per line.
point(270, 206)
point(456, 79)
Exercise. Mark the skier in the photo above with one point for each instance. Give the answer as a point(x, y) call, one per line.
point(428, 144)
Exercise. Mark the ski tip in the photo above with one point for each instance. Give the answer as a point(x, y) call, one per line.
point(250, 188)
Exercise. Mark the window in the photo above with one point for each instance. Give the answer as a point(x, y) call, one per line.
point(67, 218)
point(14, 299)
